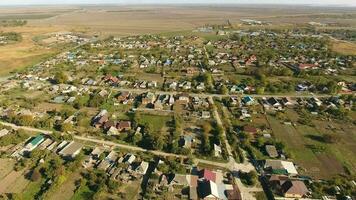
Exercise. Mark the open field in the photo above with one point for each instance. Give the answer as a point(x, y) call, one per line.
point(13, 182)
point(318, 159)
point(26, 52)
point(344, 47)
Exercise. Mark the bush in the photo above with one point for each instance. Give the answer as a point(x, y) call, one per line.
point(249, 178)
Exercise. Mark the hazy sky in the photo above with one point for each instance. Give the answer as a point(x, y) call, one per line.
point(317, 2)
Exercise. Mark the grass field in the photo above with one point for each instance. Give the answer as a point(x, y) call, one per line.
point(344, 47)
point(314, 156)
point(24, 53)
point(158, 122)
point(83, 193)
point(66, 190)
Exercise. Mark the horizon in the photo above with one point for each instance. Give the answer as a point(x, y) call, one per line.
point(319, 3)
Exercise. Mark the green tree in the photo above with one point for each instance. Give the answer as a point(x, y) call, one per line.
point(60, 77)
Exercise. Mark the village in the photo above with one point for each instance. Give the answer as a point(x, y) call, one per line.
point(229, 116)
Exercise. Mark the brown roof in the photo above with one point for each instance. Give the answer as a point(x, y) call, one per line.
point(124, 125)
point(109, 124)
point(103, 119)
point(294, 187)
point(234, 194)
point(250, 129)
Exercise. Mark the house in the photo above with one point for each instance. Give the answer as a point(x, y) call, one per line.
point(103, 165)
point(107, 125)
point(273, 102)
point(71, 150)
point(158, 105)
point(286, 187)
point(95, 154)
point(112, 131)
point(142, 168)
point(250, 130)
point(129, 158)
point(111, 157)
point(45, 143)
point(59, 99)
point(123, 96)
point(100, 119)
point(148, 98)
point(217, 151)
point(4, 132)
point(171, 100)
point(304, 66)
point(34, 143)
point(294, 189)
point(287, 101)
point(234, 193)
point(205, 115)
point(208, 190)
point(201, 86)
point(191, 71)
point(248, 100)
point(186, 141)
point(124, 126)
point(183, 98)
point(280, 167)
point(271, 151)
point(206, 174)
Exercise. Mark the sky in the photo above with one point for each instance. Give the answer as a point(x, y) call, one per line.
point(313, 2)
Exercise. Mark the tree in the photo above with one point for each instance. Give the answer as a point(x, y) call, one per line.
point(25, 120)
point(331, 138)
point(224, 90)
point(60, 77)
point(35, 175)
point(65, 127)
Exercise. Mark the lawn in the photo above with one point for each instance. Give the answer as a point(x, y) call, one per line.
point(83, 193)
point(158, 122)
point(131, 190)
point(31, 190)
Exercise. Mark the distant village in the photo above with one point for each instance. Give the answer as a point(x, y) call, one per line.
point(187, 116)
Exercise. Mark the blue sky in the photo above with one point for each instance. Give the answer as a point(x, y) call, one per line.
point(315, 2)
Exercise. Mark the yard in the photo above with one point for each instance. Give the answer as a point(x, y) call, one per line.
point(66, 190)
point(158, 122)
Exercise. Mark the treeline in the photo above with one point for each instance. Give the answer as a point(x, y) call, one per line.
point(11, 36)
point(13, 23)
